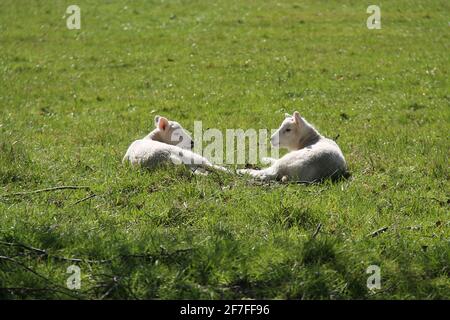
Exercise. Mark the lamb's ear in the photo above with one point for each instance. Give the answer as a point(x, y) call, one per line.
point(163, 123)
point(296, 117)
point(156, 121)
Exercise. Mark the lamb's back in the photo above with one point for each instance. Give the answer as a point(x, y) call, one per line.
point(315, 162)
point(147, 153)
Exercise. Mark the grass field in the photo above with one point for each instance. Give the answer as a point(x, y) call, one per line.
point(71, 101)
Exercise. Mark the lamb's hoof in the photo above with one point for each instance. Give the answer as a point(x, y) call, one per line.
point(284, 179)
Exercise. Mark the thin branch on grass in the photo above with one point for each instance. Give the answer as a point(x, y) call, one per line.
point(319, 226)
point(84, 199)
point(23, 246)
point(111, 288)
point(45, 190)
point(25, 289)
point(61, 289)
point(46, 254)
point(376, 233)
point(109, 291)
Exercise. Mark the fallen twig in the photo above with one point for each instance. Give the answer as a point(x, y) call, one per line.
point(25, 289)
point(84, 199)
point(46, 254)
point(45, 190)
point(111, 288)
point(319, 226)
point(378, 232)
point(11, 244)
point(64, 290)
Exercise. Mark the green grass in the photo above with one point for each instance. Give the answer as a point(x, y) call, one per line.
point(72, 101)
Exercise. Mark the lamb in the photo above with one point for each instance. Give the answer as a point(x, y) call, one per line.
point(168, 142)
point(312, 157)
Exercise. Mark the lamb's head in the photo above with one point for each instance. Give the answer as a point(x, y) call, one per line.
point(171, 132)
point(294, 130)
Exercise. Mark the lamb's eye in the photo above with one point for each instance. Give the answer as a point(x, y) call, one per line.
point(287, 130)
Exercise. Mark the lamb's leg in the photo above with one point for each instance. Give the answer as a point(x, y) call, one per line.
point(268, 161)
point(199, 171)
point(208, 167)
point(264, 175)
point(175, 159)
point(220, 168)
point(197, 163)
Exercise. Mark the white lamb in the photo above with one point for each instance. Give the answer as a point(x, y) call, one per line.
point(169, 142)
point(312, 157)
